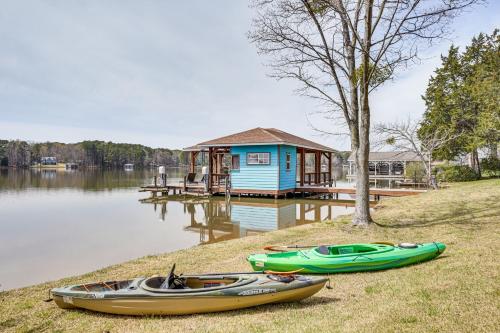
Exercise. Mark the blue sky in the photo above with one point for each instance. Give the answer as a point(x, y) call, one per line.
point(166, 73)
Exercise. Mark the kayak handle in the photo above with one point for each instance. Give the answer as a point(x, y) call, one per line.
point(329, 284)
point(50, 299)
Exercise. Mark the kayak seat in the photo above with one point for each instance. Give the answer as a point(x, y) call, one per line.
point(324, 250)
point(178, 283)
point(346, 250)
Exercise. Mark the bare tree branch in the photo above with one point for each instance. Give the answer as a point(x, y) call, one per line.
point(339, 51)
point(403, 136)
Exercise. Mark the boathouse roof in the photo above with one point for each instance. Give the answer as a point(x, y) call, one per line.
point(260, 136)
point(383, 156)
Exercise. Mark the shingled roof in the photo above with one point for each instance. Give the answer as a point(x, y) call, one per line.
point(261, 136)
point(382, 156)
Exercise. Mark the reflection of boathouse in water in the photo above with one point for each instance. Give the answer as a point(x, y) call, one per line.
point(218, 220)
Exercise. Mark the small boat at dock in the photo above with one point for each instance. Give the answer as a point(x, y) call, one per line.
point(346, 258)
point(187, 294)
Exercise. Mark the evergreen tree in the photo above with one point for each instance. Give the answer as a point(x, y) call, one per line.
point(463, 98)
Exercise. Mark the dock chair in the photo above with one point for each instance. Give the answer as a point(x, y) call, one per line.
point(190, 178)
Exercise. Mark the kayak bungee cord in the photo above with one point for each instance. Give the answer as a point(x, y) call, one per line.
point(437, 247)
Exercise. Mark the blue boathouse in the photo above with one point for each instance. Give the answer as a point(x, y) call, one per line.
point(262, 161)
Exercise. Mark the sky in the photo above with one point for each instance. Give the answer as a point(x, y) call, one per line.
point(168, 73)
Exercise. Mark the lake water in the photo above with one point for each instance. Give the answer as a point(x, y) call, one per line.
point(58, 223)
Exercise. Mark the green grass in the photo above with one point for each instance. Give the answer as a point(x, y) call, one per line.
point(458, 292)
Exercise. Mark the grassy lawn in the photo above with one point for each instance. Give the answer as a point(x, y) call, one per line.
point(458, 292)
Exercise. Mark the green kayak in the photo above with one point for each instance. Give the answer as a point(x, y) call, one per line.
point(347, 258)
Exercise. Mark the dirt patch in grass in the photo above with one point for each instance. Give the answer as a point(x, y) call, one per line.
point(458, 292)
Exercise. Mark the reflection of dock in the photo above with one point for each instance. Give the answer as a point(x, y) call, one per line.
point(216, 219)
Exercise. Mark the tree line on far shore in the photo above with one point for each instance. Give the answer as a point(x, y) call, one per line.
point(101, 154)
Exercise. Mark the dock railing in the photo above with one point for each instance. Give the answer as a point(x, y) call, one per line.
point(312, 178)
point(219, 180)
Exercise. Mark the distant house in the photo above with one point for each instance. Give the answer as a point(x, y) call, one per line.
point(48, 160)
point(385, 164)
point(71, 166)
point(263, 161)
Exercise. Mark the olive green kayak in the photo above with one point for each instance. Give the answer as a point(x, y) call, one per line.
point(347, 258)
point(187, 294)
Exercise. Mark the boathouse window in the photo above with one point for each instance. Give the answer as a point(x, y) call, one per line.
point(288, 161)
point(235, 162)
point(258, 158)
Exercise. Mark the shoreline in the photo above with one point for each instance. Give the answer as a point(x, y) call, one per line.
point(422, 297)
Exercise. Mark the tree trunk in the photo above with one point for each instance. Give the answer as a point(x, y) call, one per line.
point(362, 211)
point(493, 150)
point(474, 162)
point(432, 182)
point(478, 165)
point(362, 149)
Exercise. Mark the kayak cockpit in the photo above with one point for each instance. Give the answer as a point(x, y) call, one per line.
point(351, 249)
point(194, 283)
point(190, 282)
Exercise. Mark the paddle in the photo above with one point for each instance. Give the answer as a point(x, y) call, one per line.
point(384, 243)
point(169, 279)
point(282, 248)
point(276, 248)
point(248, 273)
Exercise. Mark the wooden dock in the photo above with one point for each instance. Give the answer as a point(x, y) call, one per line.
point(376, 192)
point(194, 189)
point(309, 191)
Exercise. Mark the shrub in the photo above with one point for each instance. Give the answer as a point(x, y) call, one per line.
point(415, 171)
point(491, 166)
point(455, 173)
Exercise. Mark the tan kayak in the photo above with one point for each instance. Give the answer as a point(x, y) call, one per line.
point(187, 294)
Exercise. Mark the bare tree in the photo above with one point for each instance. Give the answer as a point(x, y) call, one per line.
point(403, 136)
point(341, 50)
point(18, 154)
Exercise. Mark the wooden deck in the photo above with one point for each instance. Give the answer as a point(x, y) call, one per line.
point(386, 192)
point(311, 191)
point(175, 189)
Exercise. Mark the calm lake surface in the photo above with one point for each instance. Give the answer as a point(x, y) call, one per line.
point(58, 223)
